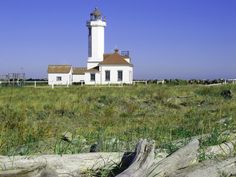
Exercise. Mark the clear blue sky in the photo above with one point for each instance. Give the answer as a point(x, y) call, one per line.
point(167, 38)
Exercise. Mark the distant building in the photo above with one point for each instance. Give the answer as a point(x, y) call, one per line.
point(60, 75)
point(112, 68)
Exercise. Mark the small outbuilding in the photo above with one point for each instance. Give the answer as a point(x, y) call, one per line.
point(60, 75)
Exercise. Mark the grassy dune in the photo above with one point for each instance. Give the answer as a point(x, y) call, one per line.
point(33, 120)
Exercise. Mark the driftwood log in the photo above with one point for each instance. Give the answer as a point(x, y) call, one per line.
point(55, 165)
point(223, 168)
point(224, 149)
point(144, 162)
point(183, 163)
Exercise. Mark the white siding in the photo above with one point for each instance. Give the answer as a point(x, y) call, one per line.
point(78, 78)
point(96, 40)
point(88, 79)
point(127, 74)
point(92, 64)
point(100, 78)
point(127, 59)
point(66, 79)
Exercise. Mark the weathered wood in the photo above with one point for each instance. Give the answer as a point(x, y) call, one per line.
point(209, 169)
point(65, 165)
point(186, 156)
point(24, 172)
point(144, 164)
point(144, 158)
point(224, 149)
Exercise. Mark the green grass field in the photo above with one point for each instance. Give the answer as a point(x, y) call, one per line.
point(32, 121)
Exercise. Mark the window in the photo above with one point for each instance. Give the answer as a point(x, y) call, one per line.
point(120, 75)
point(58, 78)
point(90, 31)
point(107, 75)
point(92, 77)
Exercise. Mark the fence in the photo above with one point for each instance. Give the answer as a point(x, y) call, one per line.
point(21, 83)
point(140, 81)
point(146, 82)
point(44, 83)
point(36, 83)
point(233, 81)
point(13, 83)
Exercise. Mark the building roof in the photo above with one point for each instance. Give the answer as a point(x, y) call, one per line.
point(114, 59)
point(59, 68)
point(106, 55)
point(79, 70)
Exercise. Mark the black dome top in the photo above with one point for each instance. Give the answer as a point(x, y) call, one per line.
point(96, 14)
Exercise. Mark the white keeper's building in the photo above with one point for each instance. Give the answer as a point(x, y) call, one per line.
point(102, 68)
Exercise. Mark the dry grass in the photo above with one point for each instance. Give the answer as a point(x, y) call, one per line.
point(33, 120)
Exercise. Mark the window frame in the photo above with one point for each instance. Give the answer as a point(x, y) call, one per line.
point(120, 78)
point(90, 32)
point(107, 77)
point(58, 78)
point(92, 79)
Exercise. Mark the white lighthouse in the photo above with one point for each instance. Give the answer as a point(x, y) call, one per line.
point(96, 26)
point(102, 68)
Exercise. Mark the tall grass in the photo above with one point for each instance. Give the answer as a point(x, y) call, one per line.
point(33, 120)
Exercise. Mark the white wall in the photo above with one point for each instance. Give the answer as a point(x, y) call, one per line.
point(96, 40)
point(66, 79)
point(127, 74)
point(78, 78)
point(127, 59)
point(92, 64)
point(89, 82)
point(99, 76)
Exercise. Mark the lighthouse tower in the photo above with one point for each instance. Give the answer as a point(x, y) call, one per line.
point(96, 26)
